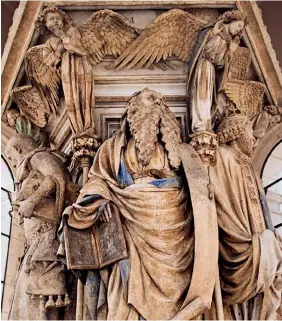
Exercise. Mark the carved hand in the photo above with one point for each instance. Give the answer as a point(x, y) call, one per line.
point(61, 49)
point(106, 214)
point(26, 208)
point(74, 45)
point(59, 33)
point(234, 44)
point(217, 28)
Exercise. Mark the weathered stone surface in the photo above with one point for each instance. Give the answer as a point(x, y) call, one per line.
point(150, 204)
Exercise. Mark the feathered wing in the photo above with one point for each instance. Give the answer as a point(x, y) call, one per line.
point(106, 33)
point(31, 105)
point(46, 79)
point(240, 63)
point(246, 95)
point(172, 33)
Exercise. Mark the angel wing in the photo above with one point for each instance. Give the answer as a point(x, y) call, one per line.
point(246, 95)
point(172, 33)
point(30, 104)
point(106, 33)
point(46, 79)
point(240, 63)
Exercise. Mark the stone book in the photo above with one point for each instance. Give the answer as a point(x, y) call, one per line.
point(97, 246)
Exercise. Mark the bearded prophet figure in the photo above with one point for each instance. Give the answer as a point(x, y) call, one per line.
point(43, 189)
point(138, 172)
point(250, 254)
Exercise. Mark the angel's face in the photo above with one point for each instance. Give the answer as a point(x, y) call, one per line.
point(236, 27)
point(54, 21)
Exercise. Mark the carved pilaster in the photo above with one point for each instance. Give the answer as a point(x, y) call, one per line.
point(84, 149)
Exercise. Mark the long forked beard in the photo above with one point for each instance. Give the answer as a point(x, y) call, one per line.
point(146, 124)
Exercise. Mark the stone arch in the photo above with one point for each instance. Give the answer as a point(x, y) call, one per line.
point(272, 137)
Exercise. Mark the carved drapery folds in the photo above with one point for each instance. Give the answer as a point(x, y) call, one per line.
point(43, 190)
point(141, 174)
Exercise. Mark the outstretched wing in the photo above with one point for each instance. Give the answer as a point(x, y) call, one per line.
point(45, 78)
point(172, 33)
point(246, 95)
point(106, 33)
point(31, 105)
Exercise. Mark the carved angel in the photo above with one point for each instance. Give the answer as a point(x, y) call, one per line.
point(205, 46)
point(68, 57)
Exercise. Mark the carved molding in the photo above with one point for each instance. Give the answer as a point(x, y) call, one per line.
point(262, 47)
point(261, 152)
point(17, 44)
point(138, 4)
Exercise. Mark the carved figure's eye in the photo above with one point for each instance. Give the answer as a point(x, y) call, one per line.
point(35, 187)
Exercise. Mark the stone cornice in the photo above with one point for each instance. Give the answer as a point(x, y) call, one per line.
point(264, 53)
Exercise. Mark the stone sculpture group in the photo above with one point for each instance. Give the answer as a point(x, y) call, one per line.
point(161, 229)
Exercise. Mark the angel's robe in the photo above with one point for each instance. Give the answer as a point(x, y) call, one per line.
point(157, 225)
point(77, 78)
point(209, 53)
point(250, 255)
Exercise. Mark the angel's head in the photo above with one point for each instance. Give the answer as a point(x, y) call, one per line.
point(235, 21)
point(151, 120)
point(52, 19)
point(237, 130)
point(18, 147)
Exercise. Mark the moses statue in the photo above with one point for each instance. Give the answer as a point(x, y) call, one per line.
point(139, 174)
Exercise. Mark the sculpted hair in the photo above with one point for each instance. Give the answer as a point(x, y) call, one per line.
point(233, 15)
point(171, 135)
point(231, 128)
point(41, 20)
point(146, 123)
point(144, 127)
